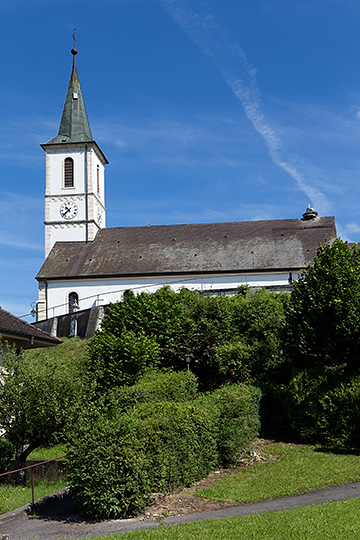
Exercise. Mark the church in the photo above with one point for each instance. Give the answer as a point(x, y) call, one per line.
point(88, 266)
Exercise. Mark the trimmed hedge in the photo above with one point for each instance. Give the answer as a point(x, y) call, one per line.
point(236, 408)
point(181, 443)
point(159, 445)
point(108, 468)
point(153, 386)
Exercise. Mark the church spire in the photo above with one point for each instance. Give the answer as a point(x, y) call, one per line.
point(74, 124)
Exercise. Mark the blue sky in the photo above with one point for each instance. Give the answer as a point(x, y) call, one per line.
point(207, 110)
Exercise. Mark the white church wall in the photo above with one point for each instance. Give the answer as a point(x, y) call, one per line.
point(98, 292)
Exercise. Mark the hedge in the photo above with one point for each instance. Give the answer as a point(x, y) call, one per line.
point(159, 445)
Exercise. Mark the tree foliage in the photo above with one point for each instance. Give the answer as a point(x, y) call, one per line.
point(39, 397)
point(323, 344)
point(323, 319)
point(222, 338)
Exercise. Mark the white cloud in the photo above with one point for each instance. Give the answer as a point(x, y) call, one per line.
point(234, 67)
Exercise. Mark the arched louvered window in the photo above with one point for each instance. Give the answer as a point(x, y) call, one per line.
point(73, 302)
point(68, 172)
point(98, 178)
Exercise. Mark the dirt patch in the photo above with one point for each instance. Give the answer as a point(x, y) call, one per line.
point(184, 501)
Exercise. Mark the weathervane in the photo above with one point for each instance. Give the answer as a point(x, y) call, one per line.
point(73, 50)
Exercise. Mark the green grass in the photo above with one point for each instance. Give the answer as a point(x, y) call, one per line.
point(12, 496)
point(299, 469)
point(44, 453)
point(70, 348)
point(328, 521)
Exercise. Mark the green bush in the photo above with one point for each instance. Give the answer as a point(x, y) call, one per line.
point(181, 443)
point(118, 360)
point(153, 386)
point(323, 345)
point(236, 412)
point(224, 338)
point(169, 385)
point(325, 407)
point(121, 457)
point(233, 359)
point(107, 468)
point(7, 454)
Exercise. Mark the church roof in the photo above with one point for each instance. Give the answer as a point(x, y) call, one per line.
point(74, 124)
point(22, 334)
point(208, 248)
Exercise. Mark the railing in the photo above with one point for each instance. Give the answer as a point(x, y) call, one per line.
point(32, 467)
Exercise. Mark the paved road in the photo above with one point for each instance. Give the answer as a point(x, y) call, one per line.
point(58, 521)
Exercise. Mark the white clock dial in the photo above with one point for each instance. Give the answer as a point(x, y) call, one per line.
point(68, 210)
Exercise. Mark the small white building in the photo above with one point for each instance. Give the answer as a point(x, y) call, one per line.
point(88, 265)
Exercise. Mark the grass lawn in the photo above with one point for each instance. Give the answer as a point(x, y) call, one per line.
point(49, 452)
point(298, 469)
point(12, 496)
point(329, 521)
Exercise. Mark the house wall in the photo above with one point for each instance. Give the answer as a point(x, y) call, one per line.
point(100, 292)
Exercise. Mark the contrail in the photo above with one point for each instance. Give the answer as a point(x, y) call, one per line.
point(234, 67)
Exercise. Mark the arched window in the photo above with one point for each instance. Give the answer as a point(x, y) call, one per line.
point(127, 294)
point(73, 302)
point(98, 178)
point(68, 172)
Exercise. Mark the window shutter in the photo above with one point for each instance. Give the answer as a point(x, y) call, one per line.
point(69, 172)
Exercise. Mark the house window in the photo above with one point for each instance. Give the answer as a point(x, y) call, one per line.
point(68, 172)
point(98, 178)
point(73, 302)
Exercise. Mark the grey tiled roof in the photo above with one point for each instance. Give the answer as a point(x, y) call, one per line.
point(248, 246)
point(12, 326)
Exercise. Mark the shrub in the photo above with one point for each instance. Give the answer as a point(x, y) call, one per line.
point(224, 338)
point(118, 360)
point(233, 359)
point(119, 458)
point(169, 385)
point(108, 470)
point(153, 386)
point(181, 443)
point(325, 407)
point(323, 344)
point(236, 413)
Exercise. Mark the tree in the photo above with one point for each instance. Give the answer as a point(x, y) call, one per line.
point(323, 344)
point(224, 339)
point(39, 397)
point(323, 317)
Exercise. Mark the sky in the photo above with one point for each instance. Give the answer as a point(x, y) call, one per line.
point(207, 110)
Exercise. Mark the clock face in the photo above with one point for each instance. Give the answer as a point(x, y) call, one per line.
point(99, 215)
point(68, 210)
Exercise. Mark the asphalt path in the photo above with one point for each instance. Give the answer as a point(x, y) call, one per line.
point(58, 519)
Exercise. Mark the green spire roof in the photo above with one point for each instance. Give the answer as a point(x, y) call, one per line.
point(74, 125)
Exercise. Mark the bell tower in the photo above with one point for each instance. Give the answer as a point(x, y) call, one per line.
point(75, 174)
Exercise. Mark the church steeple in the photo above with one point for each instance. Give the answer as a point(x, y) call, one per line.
point(74, 124)
point(75, 167)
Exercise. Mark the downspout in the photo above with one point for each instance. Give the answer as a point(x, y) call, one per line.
point(86, 198)
point(46, 299)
